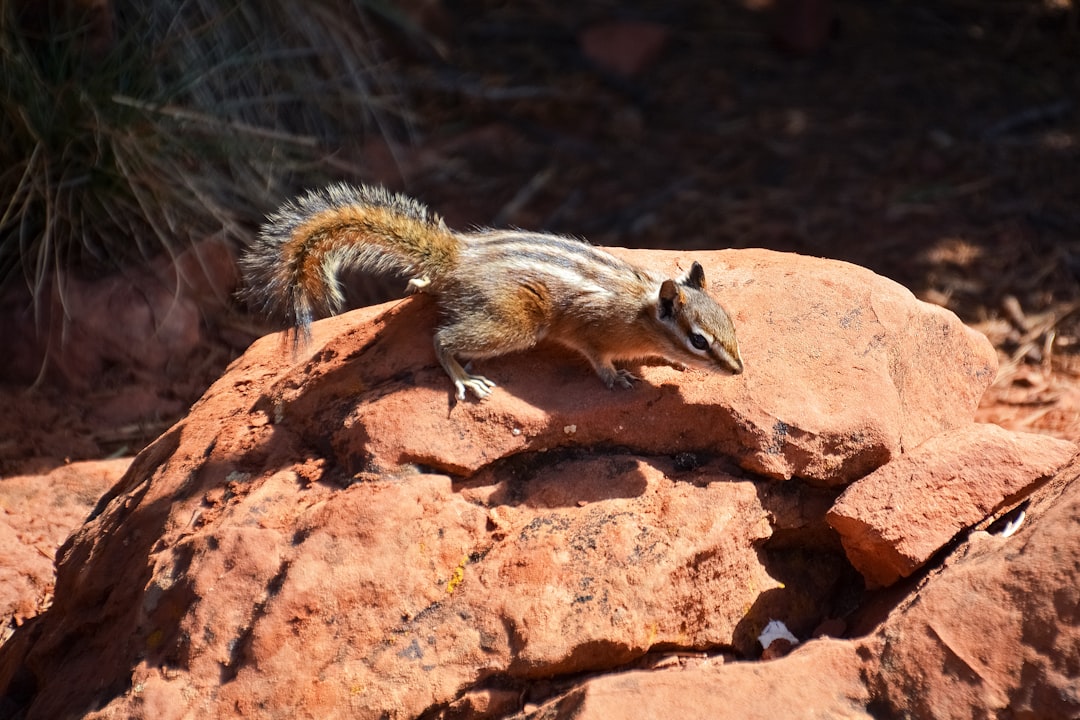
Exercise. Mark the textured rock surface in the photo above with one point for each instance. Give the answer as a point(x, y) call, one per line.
point(823, 679)
point(894, 519)
point(328, 534)
point(394, 595)
point(37, 513)
point(995, 632)
point(844, 369)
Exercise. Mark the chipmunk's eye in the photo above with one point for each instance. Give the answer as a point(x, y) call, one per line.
point(698, 341)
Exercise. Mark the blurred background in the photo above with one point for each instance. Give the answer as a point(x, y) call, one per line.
point(936, 143)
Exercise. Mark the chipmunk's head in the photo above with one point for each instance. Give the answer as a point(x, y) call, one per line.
point(700, 331)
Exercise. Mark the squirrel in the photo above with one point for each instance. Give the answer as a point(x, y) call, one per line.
point(498, 291)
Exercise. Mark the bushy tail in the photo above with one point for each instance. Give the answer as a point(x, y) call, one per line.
point(291, 270)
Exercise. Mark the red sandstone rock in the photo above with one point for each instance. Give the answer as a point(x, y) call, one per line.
point(893, 520)
point(995, 632)
point(37, 513)
point(145, 320)
point(392, 595)
point(844, 369)
point(819, 681)
point(625, 48)
point(329, 534)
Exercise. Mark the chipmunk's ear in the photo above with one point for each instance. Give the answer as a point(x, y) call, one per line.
point(694, 277)
point(670, 299)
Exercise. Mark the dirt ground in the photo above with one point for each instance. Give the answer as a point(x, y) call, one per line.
point(936, 143)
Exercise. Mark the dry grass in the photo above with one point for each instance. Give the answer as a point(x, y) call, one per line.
point(154, 124)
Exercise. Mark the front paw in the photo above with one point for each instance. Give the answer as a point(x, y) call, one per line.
point(622, 378)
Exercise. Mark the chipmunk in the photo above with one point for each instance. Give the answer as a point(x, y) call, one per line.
point(498, 291)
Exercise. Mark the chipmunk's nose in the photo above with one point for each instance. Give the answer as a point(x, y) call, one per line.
point(732, 363)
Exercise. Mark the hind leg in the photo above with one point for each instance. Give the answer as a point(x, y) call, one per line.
point(480, 386)
point(484, 333)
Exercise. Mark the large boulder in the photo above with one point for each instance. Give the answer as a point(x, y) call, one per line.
point(844, 370)
point(329, 533)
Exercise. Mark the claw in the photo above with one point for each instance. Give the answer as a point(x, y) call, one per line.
point(480, 386)
point(612, 376)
